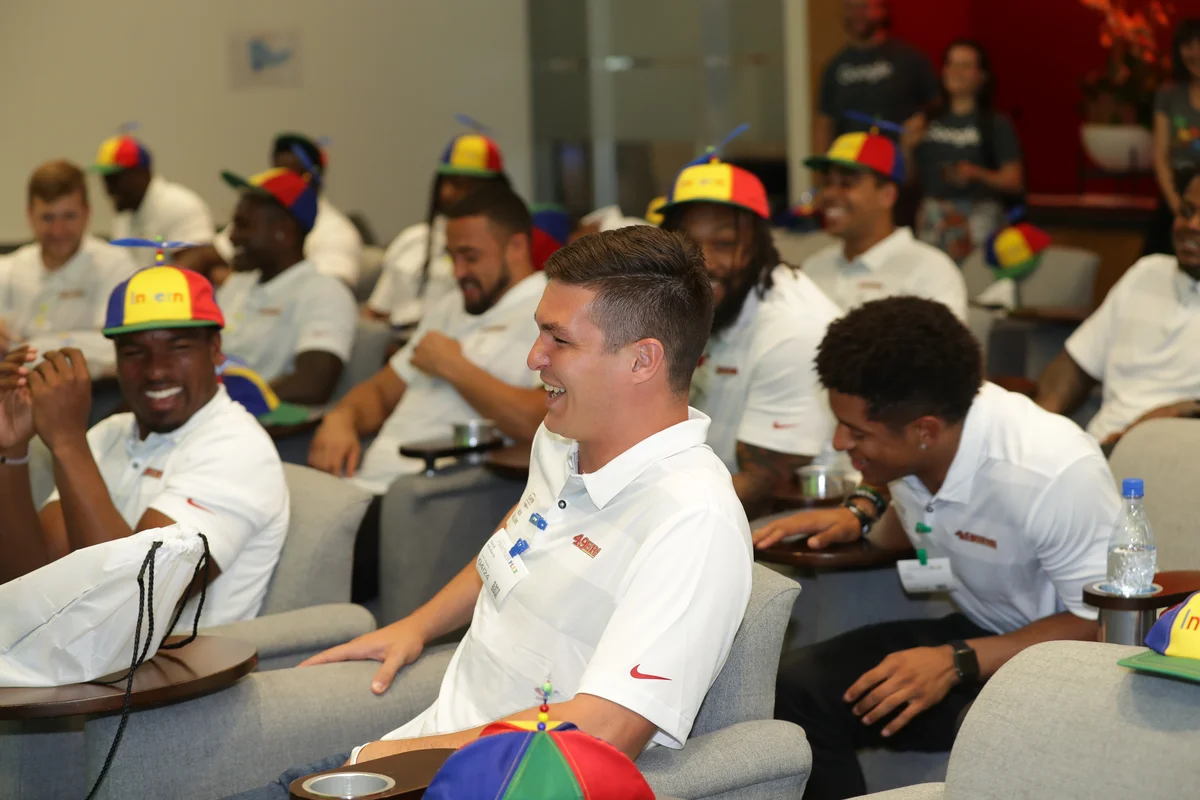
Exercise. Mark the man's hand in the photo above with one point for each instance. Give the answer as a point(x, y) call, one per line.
point(914, 132)
point(825, 527)
point(61, 390)
point(962, 173)
point(335, 448)
point(16, 410)
point(919, 677)
point(396, 645)
point(437, 354)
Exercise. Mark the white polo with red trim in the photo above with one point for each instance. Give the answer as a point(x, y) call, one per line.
point(220, 473)
point(758, 380)
point(637, 583)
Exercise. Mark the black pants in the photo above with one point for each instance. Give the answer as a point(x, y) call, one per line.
point(364, 580)
point(812, 681)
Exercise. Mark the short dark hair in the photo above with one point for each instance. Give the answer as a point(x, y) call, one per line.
point(499, 204)
point(908, 357)
point(56, 179)
point(649, 283)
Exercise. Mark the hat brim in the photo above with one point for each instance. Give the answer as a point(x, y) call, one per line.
point(158, 325)
point(286, 414)
point(1172, 666)
point(106, 169)
point(238, 182)
point(667, 207)
point(468, 172)
point(825, 162)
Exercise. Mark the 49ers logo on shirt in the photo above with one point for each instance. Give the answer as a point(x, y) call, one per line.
point(587, 545)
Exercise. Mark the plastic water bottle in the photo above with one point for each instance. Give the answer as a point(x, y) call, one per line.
point(1131, 551)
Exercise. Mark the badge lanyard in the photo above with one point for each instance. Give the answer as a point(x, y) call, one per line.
point(537, 521)
point(923, 530)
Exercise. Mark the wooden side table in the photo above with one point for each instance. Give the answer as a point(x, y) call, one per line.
point(400, 777)
point(1126, 620)
point(205, 665)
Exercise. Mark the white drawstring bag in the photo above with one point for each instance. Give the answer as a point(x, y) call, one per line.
point(83, 616)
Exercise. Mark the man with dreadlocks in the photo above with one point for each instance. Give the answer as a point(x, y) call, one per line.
point(756, 379)
point(416, 270)
point(334, 245)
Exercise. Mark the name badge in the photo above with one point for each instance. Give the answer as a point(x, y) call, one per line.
point(934, 575)
point(499, 569)
point(270, 312)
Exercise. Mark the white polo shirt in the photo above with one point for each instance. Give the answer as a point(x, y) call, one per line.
point(609, 218)
point(64, 307)
point(897, 265)
point(169, 210)
point(333, 245)
point(1024, 515)
point(498, 340)
point(758, 381)
point(268, 324)
point(398, 291)
point(219, 473)
point(635, 590)
point(1142, 344)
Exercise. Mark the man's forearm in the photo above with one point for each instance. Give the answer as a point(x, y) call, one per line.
point(517, 412)
point(21, 541)
point(364, 408)
point(1064, 385)
point(88, 510)
point(994, 651)
point(451, 608)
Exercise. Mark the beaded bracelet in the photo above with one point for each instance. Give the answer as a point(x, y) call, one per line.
point(878, 500)
point(13, 462)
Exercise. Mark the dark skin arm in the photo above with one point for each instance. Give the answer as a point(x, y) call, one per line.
point(760, 473)
point(1064, 385)
point(313, 380)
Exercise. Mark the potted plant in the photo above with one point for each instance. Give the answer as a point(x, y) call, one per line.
point(1118, 107)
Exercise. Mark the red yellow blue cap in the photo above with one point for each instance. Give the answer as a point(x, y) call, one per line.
point(1174, 643)
point(714, 181)
point(294, 192)
point(654, 208)
point(862, 150)
point(162, 297)
point(471, 154)
point(551, 229)
point(247, 387)
point(516, 761)
point(120, 152)
point(1015, 251)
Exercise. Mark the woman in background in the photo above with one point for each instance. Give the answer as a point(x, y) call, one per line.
point(1176, 132)
point(966, 156)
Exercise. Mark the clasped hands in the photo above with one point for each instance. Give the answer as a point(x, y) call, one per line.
point(51, 400)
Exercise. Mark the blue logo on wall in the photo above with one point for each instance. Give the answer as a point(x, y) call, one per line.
point(262, 57)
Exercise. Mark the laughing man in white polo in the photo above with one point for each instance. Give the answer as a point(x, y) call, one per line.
point(1143, 343)
point(632, 552)
point(1016, 503)
point(770, 415)
point(875, 259)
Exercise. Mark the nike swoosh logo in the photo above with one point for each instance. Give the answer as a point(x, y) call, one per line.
point(780, 426)
point(636, 673)
point(194, 504)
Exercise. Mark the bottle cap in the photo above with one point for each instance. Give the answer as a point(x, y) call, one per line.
point(1133, 487)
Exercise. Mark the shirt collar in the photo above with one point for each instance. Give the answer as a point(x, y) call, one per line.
point(971, 453)
point(879, 253)
point(607, 482)
point(208, 411)
point(1186, 289)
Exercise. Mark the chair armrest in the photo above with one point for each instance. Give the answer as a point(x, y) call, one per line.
point(287, 638)
point(922, 791)
point(736, 757)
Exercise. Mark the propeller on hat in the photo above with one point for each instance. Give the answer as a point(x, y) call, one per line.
point(714, 153)
point(473, 124)
point(158, 244)
point(876, 124)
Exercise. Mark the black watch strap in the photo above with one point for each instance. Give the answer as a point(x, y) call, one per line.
point(966, 661)
point(862, 516)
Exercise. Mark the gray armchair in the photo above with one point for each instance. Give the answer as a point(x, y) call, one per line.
point(307, 606)
point(1062, 720)
point(246, 735)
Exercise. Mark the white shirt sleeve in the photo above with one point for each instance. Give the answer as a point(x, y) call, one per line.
point(328, 319)
point(381, 299)
point(337, 253)
point(101, 437)
point(1069, 527)
point(395, 293)
point(942, 281)
point(192, 222)
point(674, 623)
point(1092, 341)
point(786, 410)
point(227, 491)
point(401, 361)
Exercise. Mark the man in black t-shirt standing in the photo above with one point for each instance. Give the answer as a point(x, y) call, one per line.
point(875, 75)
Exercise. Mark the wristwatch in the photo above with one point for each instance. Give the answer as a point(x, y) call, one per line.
point(966, 662)
point(863, 519)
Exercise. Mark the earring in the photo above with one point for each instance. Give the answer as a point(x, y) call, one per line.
point(922, 445)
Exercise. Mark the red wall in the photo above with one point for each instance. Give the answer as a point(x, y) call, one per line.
point(1040, 51)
